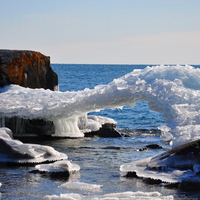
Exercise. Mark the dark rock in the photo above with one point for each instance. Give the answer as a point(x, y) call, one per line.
point(107, 130)
point(4, 79)
point(112, 148)
point(189, 186)
point(142, 149)
point(61, 175)
point(28, 69)
point(40, 127)
point(151, 181)
point(170, 185)
point(25, 127)
point(154, 146)
point(131, 175)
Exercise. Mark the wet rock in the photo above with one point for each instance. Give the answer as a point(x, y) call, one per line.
point(131, 175)
point(107, 130)
point(53, 175)
point(112, 148)
point(154, 146)
point(25, 127)
point(142, 149)
point(118, 148)
point(40, 127)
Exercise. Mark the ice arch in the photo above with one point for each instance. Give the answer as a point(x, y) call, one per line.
point(172, 90)
point(138, 117)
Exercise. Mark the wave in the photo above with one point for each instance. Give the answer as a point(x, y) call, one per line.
point(171, 90)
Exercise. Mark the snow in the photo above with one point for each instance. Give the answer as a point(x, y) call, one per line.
point(15, 151)
point(172, 90)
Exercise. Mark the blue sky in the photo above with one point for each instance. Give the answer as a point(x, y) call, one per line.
point(104, 31)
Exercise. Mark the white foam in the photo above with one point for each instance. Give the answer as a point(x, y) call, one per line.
point(59, 166)
point(15, 151)
point(172, 90)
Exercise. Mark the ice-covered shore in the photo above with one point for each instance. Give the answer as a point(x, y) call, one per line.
point(171, 90)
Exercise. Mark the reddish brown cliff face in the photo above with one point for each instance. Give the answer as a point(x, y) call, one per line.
point(28, 69)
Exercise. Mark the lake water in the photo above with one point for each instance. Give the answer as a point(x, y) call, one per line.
point(99, 158)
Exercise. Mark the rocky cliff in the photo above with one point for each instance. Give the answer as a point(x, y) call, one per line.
point(27, 68)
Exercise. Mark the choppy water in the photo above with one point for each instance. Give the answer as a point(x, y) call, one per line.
point(99, 158)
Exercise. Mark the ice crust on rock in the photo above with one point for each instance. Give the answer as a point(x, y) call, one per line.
point(141, 169)
point(168, 167)
point(58, 166)
point(171, 90)
point(14, 151)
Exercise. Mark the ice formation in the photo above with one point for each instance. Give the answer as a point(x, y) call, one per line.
point(115, 196)
point(168, 175)
point(14, 151)
point(177, 165)
point(172, 90)
point(58, 166)
point(80, 186)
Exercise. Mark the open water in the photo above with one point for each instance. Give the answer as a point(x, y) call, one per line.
point(99, 158)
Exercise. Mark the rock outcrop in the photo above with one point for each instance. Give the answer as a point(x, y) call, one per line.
point(26, 68)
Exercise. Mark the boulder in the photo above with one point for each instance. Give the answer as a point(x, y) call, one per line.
point(27, 68)
point(107, 130)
